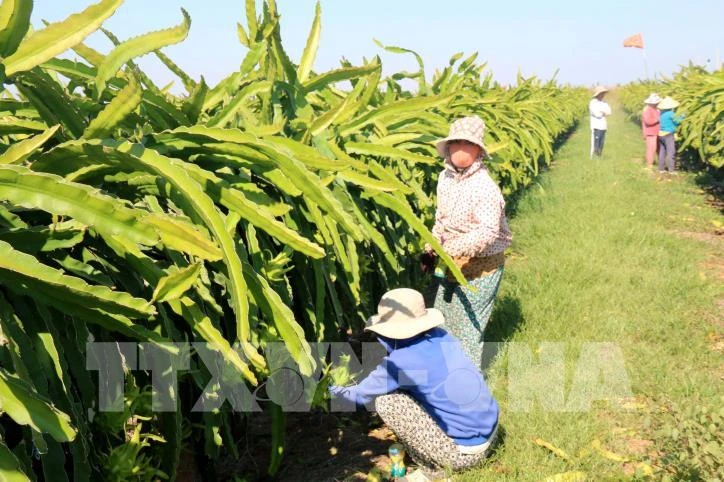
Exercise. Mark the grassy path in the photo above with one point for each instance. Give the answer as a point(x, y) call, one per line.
point(606, 251)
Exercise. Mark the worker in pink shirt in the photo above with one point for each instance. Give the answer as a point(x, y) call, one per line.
point(650, 123)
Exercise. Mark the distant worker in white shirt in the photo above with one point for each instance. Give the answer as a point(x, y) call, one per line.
point(599, 110)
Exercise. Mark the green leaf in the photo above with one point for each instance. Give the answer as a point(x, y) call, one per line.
point(225, 115)
point(117, 109)
point(14, 24)
point(42, 239)
point(18, 152)
point(52, 101)
point(18, 268)
point(184, 236)
point(10, 220)
point(322, 122)
point(403, 210)
point(275, 310)
point(173, 286)
point(257, 215)
point(366, 182)
point(58, 37)
point(420, 75)
point(193, 106)
point(304, 180)
point(252, 58)
point(157, 103)
point(377, 238)
point(395, 111)
point(204, 328)
point(279, 424)
point(227, 86)
point(310, 156)
point(111, 216)
point(25, 407)
point(138, 46)
point(189, 83)
point(202, 207)
point(251, 20)
point(13, 125)
point(10, 468)
point(53, 194)
point(370, 149)
point(310, 50)
point(266, 204)
point(339, 75)
point(243, 37)
point(90, 55)
point(389, 177)
point(69, 68)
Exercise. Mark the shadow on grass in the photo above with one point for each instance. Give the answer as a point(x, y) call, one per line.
point(707, 177)
point(506, 319)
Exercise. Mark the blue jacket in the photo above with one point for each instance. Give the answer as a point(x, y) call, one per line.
point(669, 121)
point(433, 369)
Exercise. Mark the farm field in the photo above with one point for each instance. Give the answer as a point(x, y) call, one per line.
point(160, 244)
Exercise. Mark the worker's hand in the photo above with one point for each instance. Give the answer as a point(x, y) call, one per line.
point(428, 259)
point(334, 390)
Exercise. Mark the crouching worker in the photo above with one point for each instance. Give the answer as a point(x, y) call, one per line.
point(426, 390)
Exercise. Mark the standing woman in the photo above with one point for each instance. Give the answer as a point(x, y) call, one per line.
point(470, 224)
point(599, 110)
point(669, 123)
point(650, 118)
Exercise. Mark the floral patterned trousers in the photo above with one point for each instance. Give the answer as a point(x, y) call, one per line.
point(467, 312)
point(425, 442)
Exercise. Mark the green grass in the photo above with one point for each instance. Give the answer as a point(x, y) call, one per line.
point(607, 251)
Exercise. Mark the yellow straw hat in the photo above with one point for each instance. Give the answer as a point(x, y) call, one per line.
point(469, 129)
point(668, 103)
point(599, 90)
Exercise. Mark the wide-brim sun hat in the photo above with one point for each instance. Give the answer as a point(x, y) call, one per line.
point(470, 129)
point(668, 103)
point(401, 314)
point(599, 90)
point(652, 99)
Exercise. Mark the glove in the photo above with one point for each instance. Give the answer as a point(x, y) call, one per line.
point(345, 397)
point(342, 393)
point(335, 390)
point(428, 260)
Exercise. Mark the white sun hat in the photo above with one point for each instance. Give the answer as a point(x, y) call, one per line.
point(401, 314)
point(652, 99)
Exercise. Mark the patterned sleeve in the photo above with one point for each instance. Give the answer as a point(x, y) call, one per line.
point(488, 214)
point(437, 229)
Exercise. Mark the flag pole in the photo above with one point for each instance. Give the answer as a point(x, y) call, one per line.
point(646, 66)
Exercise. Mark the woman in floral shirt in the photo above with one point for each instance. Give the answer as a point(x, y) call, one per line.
point(470, 224)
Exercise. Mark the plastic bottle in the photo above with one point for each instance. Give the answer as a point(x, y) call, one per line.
point(397, 456)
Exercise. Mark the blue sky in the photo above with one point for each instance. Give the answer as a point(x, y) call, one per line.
point(584, 41)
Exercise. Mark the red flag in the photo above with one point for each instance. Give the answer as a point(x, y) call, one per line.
point(634, 41)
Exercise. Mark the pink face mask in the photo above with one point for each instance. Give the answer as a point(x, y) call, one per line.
point(463, 154)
